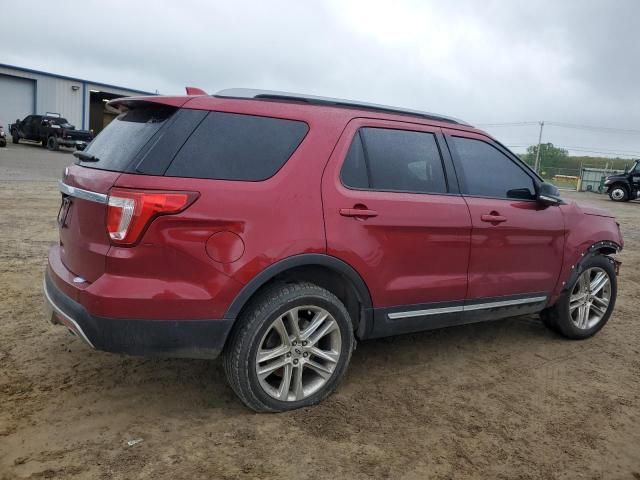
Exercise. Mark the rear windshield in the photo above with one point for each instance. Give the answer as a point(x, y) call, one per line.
point(119, 143)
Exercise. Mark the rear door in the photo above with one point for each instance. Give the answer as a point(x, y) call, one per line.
point(29, 127)
point(517, 243)
point(393, 212)
point(85, 187)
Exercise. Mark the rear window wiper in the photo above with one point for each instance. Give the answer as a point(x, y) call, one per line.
point(85, 157)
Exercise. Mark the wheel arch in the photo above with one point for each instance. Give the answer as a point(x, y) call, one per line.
point(326, 271)
point(620, 183)
point(605, 248)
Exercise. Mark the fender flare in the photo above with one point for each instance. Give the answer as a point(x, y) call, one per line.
point(306, 259)
point(623, 183)
point(592, 250)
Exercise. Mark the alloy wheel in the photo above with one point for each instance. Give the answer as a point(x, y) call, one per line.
point(298, 353)
point(590, 298)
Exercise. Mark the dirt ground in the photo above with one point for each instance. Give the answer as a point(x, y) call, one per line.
point(506, 399)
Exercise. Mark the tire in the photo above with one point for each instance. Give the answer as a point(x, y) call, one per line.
point(52, 143)
point(618, 193)
point(15, 138)
point(567, 316)
point(259, 329)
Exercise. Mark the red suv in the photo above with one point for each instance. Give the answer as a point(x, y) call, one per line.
point(276, 229)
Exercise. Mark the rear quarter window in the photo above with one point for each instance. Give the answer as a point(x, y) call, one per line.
point(230, 146)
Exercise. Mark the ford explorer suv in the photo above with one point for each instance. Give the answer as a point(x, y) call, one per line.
point(278, 229)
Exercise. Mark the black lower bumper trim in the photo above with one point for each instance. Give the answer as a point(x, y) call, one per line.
point(172, 338)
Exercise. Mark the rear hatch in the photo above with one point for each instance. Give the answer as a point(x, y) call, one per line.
point(84, 240)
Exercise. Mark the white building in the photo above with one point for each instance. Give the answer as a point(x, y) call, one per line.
point(24, 92)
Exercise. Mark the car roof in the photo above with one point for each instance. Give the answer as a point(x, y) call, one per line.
point(292, 98)
point(272, 95)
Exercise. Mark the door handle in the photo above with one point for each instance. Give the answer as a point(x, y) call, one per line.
point(493, 217)
point(358, 212)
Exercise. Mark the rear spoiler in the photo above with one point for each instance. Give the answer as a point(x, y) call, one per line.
point(195, 91)
point(124, 103)
point(120, 104)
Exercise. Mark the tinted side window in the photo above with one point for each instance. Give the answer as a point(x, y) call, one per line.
point(229, 146)
point(395, 160)
point(354, 170)
point(488, 172)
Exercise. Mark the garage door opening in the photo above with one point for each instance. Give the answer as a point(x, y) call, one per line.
point(99, 116)
point(17, 99)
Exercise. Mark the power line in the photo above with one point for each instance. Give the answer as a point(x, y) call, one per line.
point(599, 129)
point(580, 147)
point(587, 150)
point(507, 124)
point(564, 125)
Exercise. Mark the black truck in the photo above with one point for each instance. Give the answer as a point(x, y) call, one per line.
point(52, 130)
point(625, 186)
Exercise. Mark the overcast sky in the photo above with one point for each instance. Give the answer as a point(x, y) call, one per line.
point(571, 61)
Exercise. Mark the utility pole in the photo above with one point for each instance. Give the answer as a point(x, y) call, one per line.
point(537, 164)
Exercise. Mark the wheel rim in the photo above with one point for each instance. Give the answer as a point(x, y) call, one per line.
point(298, 353)
point(617, 194)
point(590, 298)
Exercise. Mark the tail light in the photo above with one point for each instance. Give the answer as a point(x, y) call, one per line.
point(129, 212)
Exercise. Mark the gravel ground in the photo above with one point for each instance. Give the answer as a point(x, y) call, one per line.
point(506, 399)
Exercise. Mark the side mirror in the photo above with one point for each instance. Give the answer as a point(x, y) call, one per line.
point(548, 194)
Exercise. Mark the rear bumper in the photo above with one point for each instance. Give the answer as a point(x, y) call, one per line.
point(173, 338)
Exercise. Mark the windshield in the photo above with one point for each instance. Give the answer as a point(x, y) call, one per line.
point(118, 144)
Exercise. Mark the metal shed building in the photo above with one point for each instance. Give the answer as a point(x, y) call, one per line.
point(24, 91)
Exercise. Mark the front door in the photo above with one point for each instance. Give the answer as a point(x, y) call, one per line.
point(517, 243)
point(393, 212)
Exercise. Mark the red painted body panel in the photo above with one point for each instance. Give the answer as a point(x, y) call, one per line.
point(84, 241)
point(414, 251)
point(521, 255)
point(418, 249)
point(582, 231)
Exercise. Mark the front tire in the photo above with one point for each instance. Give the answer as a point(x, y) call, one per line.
point(587, 303)
point(15, 138)
point(291, 348)
point(618, 193)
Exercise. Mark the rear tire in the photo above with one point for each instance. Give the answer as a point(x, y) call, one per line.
point(586, 305)
point(290, 348)
point(52, 143)
point(618, 193)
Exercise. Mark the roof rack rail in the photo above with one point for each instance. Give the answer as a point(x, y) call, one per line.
point(257, 94)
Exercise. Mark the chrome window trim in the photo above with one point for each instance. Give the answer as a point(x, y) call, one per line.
point(465, 308)
point(82, 194)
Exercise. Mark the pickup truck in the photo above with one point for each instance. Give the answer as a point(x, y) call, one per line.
point(625, 186)
point(52, 130)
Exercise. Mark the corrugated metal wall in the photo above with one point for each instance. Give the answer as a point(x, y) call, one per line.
point(67, 96)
